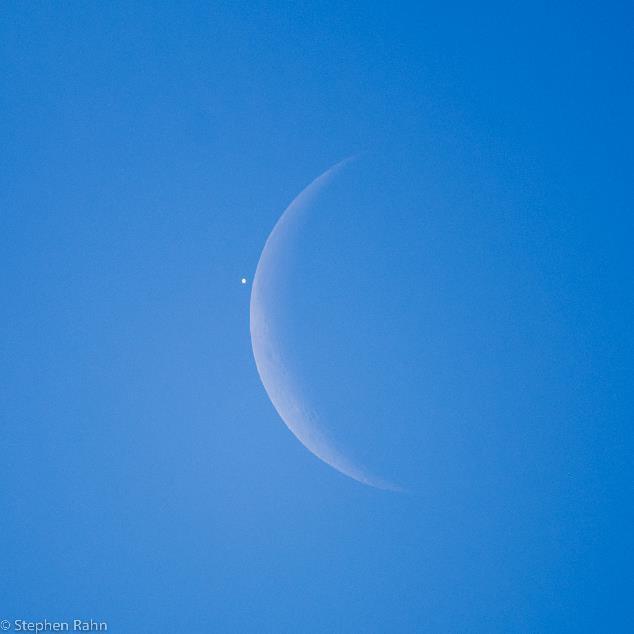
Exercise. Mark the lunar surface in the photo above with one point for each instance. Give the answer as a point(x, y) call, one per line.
point(269, 302)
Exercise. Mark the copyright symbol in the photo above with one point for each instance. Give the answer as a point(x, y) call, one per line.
point(5, 625)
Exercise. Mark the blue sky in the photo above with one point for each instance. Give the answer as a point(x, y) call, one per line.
point(147, 151)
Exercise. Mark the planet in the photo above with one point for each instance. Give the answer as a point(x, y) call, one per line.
point(400, 326)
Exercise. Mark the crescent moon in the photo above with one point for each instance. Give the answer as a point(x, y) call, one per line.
point(269, 350)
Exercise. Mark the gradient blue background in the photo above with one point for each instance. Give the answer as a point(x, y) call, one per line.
point(146, 150)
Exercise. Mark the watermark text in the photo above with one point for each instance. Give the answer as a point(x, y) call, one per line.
point(76, 625)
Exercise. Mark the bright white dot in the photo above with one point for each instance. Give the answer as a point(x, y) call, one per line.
point(244, 280)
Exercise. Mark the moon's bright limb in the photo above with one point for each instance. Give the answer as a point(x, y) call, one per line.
point(268, 341)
